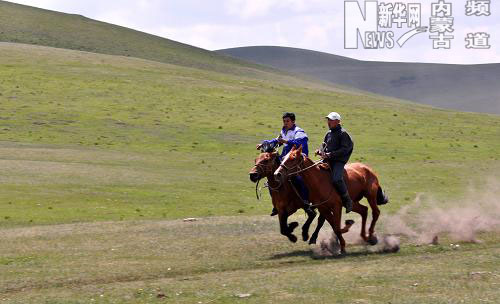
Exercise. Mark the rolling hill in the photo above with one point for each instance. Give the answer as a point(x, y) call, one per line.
point(471, 88)
point(30, 25)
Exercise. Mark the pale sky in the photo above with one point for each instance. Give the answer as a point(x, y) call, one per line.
point(310, 24)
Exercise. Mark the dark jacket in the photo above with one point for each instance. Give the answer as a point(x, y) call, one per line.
point(339, 144)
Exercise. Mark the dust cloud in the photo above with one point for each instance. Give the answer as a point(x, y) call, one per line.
point(426, 220)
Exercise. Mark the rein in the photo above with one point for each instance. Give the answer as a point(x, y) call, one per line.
point(315, 204)
point(300, 169)
point(258, 191)
point(307, 168)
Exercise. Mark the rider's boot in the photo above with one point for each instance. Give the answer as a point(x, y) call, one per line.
point(347, 202)
point(341, 188)
point(274, 212)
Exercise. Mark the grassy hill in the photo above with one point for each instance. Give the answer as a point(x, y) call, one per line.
point(461, 87)
point(30, 25)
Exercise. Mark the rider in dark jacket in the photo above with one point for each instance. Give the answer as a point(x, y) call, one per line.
point(338, 147)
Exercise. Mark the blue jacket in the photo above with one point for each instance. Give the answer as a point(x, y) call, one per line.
point(295, 136)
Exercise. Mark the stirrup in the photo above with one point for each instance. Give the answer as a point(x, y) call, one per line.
point(308, 207)
point(348, 208)
point(274, 212)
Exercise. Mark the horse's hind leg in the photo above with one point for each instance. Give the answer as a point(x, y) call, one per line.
point(363, 211)
point(305, 228)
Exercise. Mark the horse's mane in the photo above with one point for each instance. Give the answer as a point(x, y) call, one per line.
point(319, 170)
point(307, 159)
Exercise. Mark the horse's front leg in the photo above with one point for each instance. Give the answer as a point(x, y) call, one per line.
point(333, 219)
point(285, 229)
point(311, 215)
point(314, 237)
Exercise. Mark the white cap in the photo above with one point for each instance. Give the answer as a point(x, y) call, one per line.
point(334, 116)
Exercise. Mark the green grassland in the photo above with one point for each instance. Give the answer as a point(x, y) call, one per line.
point(93, 137)
point(216, 259)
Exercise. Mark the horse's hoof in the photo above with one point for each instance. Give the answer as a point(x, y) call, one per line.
point(349, 222)
point(292, 226)
point(312, 241)
point(373, 240)
point(292, 238)
point(305, 236)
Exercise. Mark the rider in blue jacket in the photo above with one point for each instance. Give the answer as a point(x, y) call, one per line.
point(291, 135)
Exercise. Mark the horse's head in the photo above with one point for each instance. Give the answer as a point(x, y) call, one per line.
point(265, 164)
point(290, 164)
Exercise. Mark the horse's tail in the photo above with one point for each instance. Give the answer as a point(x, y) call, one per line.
point(382, 198)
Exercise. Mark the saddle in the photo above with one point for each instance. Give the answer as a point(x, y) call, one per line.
point(324, 166)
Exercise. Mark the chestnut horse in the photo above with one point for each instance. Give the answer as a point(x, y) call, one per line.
point(284, 198)
point(361, 182)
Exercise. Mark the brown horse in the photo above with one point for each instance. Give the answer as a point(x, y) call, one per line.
point(361, 182)
point(284, 198)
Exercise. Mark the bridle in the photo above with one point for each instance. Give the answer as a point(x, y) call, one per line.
point(282, 165)
point(261, 170)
